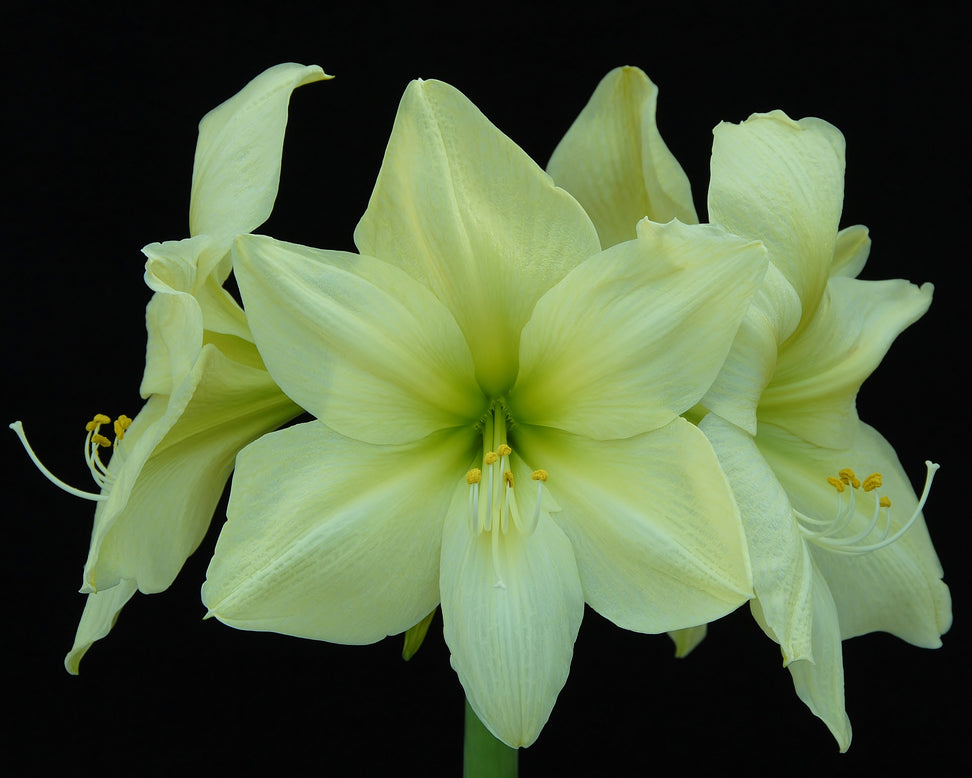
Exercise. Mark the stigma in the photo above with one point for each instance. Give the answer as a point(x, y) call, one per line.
point(835, 534)
point(94, 441)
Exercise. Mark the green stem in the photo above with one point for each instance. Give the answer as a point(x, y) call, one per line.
point(483, 756)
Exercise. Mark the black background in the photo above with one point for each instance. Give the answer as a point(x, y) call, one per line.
point(100, 115)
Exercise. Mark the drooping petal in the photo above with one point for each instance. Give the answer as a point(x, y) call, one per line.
point(782, 181)
point(687, 639)
point(355, 341)
point(614, 161)
point(101, 611)
point(169, 471)
point(820, 369)
point(820, 682)
point(636, 335)
point(851, 251)
point(781, 564)
point(333, 539)
point(654, 526)
point(896, 589)
point(770, 319)
point(511, 608)
point(464, 211)
point(237, 166)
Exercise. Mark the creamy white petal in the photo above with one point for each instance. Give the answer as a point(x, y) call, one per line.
point(511, 608)
point(614, 161)
point(100, 614)
point(653, 523)
point(820, 369)
point(782, 181)
point(237, 166)
point(168, 473)
point(333, 539)
point(635, 336)
point(687, 639)
point(896, 589)
point(355, 341)
point(463, 210)
point(781, 564)
point(851, 251)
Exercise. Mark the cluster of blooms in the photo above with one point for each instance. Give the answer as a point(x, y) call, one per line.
point(533, 390)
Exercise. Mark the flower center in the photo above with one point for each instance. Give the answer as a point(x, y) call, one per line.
point(833, 534)
point(94, 441)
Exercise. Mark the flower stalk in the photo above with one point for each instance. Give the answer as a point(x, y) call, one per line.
point(484, 756)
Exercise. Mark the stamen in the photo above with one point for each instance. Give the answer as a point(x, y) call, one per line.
point(18, 428)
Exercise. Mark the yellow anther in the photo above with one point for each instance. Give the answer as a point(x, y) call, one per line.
point(508, 478)
point(872, 482)
point(504, 450)
point(539, 475)
point(848, 477)
point(97, 421)
point(885, 502)
point(474, 476)
point(101, 440)
point(491, 458)
point(836, 483)
point(122, 423)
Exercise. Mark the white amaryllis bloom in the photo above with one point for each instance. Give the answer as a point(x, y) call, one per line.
point(498, 421)
point(834, 553)
point(208, 393)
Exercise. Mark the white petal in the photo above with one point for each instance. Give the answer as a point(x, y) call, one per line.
point(851, 251)
point(100, 614)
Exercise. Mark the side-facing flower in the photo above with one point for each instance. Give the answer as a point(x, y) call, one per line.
point(833, 555)
point(498, 421)
point(208, 393)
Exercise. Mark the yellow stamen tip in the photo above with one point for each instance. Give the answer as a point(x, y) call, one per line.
point(491, 458)
point(836, 483)
point(101, 440)
point(474, 476)
point(872, 482)
point(504, 450)
point(885, 502)
point(539, 475)
point(508, 478)
point(100, 418)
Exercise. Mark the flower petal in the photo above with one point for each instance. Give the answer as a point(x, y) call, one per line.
point(851, 251)
point(511, 608)
point(463, 210)
point(237, 166)
point(614, 161)
point(820, 369)
point(782, 181)
point(356, 342)
point(654, 527)
point(169, 471)
point(636, 335)
point(333, 539)
point(782, 568)
point(896, 589)
point(101, 611)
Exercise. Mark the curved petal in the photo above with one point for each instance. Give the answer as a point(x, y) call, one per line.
point(614, 161)
point(463, 210)
point(237, 166)
point(820, 683)
point(687, 639)
point(896, 589)
point(635, 336)
point(782, 181)
point(820, 369)
point(101, 611)
point(782, 568)
point(654, 526)
point(168, 473)
point(770, 319)
point(356, 342)
point(333, 539)
point(851, 251)
point(511, 608)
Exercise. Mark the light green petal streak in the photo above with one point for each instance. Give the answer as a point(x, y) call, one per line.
point(463, 210)
point(820, 369)
point(851, 251)
point(897, 589)
point(781, 563)
point(614, 161)
point(356, 342)
point(686, 640)
point(169, 471)
point(820, 683)
point(636, 335)
point(782, 182)
point(511, 610)
point(770, 319)
point(237, 165)
point(653, 523)
point(333, 539)
point(100, 614)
